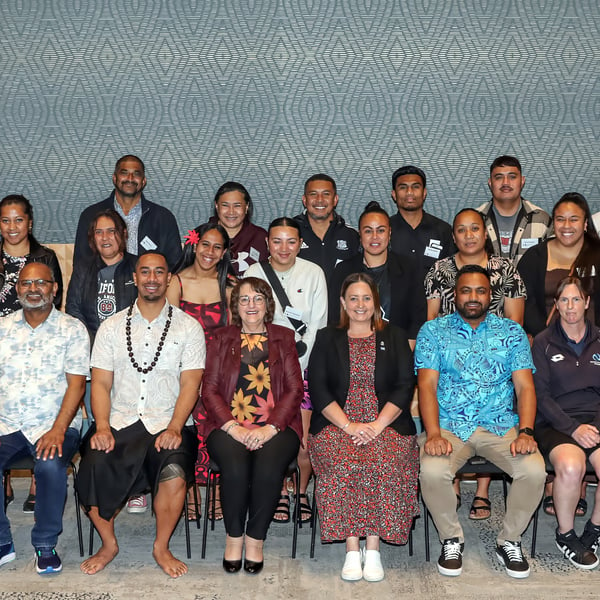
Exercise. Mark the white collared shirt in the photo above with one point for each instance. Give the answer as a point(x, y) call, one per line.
point(149, 397)
point(34, 362)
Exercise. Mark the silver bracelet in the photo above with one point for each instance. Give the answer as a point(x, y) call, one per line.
point(346, 425)
point(234, 424)
point(274, 427)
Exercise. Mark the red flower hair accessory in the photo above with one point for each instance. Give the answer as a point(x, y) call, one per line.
point(191, 237)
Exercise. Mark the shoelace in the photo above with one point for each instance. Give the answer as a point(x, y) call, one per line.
point(452, 550)
point(513, 551)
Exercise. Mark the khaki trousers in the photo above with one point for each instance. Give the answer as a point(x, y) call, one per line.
point(437, 473)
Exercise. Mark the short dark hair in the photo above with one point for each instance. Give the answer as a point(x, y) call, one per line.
point(285, 222)
point(377, 322)
point(469, 269)
point(258, 285)
point(130, 157)
point(120, 228)
point(320, 177)
point(506, 161)
point(373, 207)
point(234, 186)
point(152, 252)
point(408, 170)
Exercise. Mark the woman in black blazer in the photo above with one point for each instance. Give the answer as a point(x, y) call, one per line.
point(362, 436)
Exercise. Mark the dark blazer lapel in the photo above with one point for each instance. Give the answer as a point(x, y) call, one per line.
point(343, 354)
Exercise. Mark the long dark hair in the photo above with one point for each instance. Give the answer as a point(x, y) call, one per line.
point(224, 268)
point(21, 201)
point(587, 262)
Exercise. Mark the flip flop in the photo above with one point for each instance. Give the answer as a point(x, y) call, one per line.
point(474, 510)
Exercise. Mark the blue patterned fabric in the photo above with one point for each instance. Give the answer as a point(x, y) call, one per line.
point(475, 365)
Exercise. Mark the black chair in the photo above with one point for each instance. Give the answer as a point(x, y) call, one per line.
point(293, 471)
point(590, 474)
point(188, 546)
point(27, 464)
point(314, 519)
point(477, 465)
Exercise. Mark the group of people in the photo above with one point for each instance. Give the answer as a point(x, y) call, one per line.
point(253, 348)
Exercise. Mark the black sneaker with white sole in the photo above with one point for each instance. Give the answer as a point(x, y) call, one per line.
point(575, 551)
point(450, 560)
point(511, 556)
point(590, 537)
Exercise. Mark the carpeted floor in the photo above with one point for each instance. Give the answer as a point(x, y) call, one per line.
point(133, 574)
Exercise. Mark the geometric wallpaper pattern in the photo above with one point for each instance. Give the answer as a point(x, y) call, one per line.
point(268, 92)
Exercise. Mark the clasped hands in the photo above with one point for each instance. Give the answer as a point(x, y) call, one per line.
point(362, 433)
point(253, 439)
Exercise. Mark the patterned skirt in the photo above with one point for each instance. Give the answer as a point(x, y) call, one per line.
point(365, 490)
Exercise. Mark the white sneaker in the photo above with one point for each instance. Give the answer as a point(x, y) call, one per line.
point(373, 569)
point(352, 569)
point(137, 504)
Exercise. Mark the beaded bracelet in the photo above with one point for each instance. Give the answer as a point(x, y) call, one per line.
point(234, 424)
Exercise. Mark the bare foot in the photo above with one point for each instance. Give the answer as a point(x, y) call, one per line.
point(172, 566)
point(96, 563)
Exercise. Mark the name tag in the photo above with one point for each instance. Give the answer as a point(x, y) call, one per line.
point(292, 312)
point(254, 254)
point(529, 242)
point(148, 244)
point(434, 249)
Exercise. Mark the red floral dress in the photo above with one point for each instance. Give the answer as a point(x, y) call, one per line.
point(209, 316)
point(371, 489)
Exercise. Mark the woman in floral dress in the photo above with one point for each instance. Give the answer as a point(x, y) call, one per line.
point(252, 390)
point(362, 436)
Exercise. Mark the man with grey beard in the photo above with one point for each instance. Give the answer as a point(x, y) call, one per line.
point(44, 358)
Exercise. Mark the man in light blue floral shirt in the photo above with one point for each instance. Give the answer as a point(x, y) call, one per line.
point(470, 366)
point(44, 357)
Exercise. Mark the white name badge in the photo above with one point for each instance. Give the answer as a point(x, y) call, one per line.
point(434, 249)
point(254, 254)
point(432, 252)
point(529, 242)
point(292, 312)
point(148, 244)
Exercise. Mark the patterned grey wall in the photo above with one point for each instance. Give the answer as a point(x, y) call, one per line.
point(268, 92)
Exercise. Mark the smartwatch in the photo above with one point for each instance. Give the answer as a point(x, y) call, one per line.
point(526, 431)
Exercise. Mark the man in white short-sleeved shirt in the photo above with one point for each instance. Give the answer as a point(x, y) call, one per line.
point(147, 364)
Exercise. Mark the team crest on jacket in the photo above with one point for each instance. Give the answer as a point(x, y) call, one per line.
point(342, 245)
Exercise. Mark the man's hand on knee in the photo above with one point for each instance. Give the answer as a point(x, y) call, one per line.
point(436, 445)
point(169, 439)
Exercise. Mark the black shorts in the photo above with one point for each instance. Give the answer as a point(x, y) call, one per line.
point(548, 438)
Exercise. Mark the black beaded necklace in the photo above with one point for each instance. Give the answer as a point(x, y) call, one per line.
point(161, 343)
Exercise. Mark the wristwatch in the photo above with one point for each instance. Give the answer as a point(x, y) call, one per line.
point(526, 431)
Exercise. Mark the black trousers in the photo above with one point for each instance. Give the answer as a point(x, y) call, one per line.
point(251, 480)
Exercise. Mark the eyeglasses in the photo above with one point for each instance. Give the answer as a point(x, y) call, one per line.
point(27, 283)
point(259, 299)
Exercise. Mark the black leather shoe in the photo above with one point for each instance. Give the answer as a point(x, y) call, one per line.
point(253, 567)
point(232, 566)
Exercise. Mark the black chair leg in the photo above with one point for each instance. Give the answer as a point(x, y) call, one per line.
point(209, 478)
point(426, 528)
point(314, 519)
point(77, 510)
point(297, 515)
point(186, 525)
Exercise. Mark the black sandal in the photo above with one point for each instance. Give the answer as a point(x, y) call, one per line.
point(548, 506)
point(582, 506)
point(474, 510)
point(283, 509)
point(305, 513)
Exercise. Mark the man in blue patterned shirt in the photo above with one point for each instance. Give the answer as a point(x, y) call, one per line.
point(44, 358)
point(470, 364)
